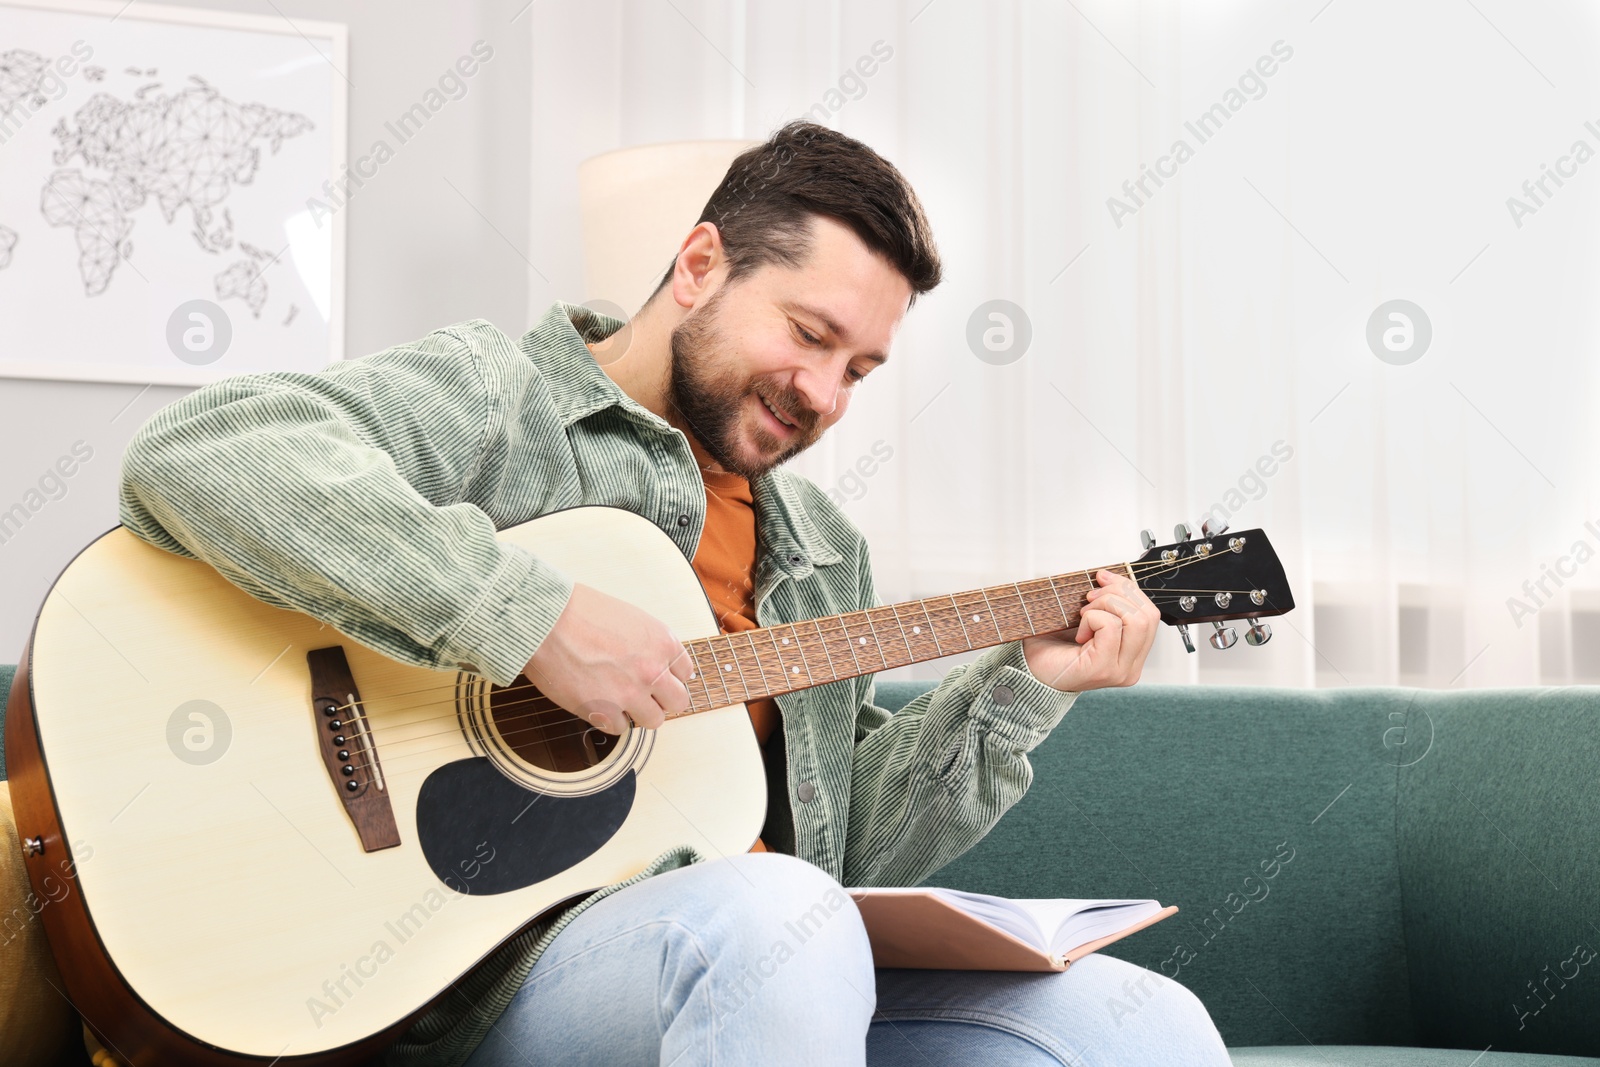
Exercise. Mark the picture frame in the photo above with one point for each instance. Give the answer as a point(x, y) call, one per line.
point(172, 185)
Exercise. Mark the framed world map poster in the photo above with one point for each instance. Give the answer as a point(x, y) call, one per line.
point(172, 184)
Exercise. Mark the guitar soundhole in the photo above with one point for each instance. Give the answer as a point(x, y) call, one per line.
point(543, 733)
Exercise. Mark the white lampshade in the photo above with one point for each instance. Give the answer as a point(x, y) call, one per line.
point(638, 204)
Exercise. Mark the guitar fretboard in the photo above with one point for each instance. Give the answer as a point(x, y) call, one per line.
point(753, 664)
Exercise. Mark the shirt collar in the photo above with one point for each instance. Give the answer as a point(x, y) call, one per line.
point(579, 387)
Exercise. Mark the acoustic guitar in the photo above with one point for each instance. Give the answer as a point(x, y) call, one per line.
point(254, 840)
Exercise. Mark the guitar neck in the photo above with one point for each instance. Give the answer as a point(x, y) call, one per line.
point(754, 664)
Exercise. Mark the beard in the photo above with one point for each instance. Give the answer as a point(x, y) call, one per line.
point(710, 394)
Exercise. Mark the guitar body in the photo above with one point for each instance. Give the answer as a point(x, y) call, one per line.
point(215, 896)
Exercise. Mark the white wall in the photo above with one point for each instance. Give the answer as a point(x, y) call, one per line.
point(1172, 348)
point(419, 256)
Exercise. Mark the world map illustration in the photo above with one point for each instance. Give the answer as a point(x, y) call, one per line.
point(186, 151)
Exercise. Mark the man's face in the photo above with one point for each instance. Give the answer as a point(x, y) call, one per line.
point(762, 367)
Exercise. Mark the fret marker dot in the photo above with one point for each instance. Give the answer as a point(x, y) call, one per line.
point(794, 670)
point(727, 666)
point(863, 640)
point(975, 618)
point(786, 640)
point(916, 629)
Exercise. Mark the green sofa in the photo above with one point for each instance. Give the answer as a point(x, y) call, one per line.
point(1444, 862)
point(1367, 877)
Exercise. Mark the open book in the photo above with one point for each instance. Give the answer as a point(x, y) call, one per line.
point(947, 929)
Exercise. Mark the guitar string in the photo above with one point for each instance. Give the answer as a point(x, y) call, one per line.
point(830, 633)
point(533, 705)
point(538, 705)
point(541, 704)
point(758, 665)
point(1073, 588)
point(548, 704)
point(697, 640)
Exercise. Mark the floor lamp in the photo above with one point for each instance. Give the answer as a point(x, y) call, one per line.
point(637, 205)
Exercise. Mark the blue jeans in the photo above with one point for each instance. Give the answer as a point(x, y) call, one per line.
point(762, 959)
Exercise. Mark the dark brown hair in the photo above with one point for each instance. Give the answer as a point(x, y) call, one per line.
point(764, 205)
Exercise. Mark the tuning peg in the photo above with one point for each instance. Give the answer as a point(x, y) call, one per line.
point(1224, 638)
point(1183, 632)
point(1213, 527)
point(1181, 532)
point(1148, 538)
point(1258, 634)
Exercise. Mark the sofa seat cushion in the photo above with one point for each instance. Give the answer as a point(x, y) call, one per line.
point(1387, 1056)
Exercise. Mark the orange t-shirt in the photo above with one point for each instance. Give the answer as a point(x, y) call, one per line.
point(725, 563)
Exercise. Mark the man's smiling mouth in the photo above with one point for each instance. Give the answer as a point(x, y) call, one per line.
point(775, 412)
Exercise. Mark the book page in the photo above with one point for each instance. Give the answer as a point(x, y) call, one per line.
point(1053, 926)
point(1077, 922)
point(1020, 922)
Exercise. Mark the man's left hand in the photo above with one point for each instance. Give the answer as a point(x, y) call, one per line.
point(1109, 645)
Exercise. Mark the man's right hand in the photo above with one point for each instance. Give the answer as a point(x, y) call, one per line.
point(607, 661)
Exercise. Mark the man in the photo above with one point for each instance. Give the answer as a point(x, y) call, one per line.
point(368, 496)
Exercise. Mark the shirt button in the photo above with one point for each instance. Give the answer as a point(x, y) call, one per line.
point(806, 792)
point(1002, 694)
point(683, 520)
point(797, 560)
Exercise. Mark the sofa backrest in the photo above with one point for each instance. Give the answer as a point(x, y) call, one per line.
point(1356, 866)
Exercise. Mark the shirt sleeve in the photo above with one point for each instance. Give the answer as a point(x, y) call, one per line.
point(341, 494)
point(930, 780)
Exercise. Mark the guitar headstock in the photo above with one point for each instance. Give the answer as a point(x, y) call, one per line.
point(1215, 577)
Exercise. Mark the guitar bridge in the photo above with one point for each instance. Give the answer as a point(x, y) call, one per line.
point(348, 749)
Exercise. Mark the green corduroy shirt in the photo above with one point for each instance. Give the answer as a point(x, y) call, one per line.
point(367, 495)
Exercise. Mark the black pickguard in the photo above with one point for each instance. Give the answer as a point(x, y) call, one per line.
point(467, 811)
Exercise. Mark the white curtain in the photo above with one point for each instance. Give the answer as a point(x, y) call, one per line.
point(1201, 342)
